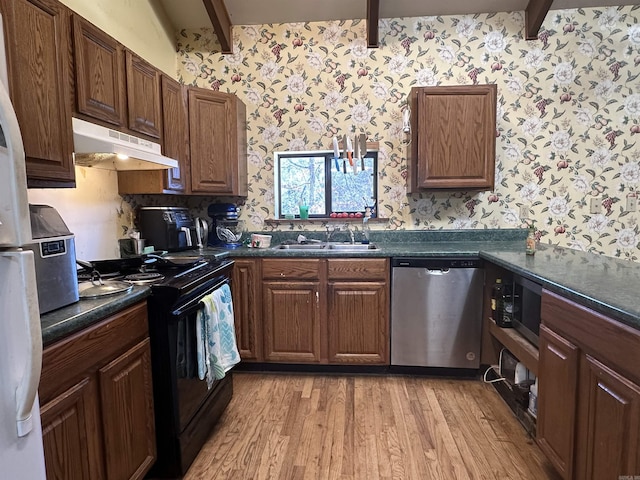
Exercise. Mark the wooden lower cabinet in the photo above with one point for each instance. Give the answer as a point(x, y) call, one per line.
point(127, 413)
point(97, 401)
point(607, 437)
point(246, 284)
point(71, 433)
point(291, 316)
point(311, 310)
point(558, 380)
point(589, 393)
point(358, 311)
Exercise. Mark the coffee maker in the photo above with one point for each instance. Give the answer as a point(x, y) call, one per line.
point(226, 229)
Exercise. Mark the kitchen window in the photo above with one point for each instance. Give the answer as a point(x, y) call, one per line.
point(316, 180)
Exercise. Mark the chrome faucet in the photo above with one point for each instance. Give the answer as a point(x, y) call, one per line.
point(330, 230)
point(351, 233)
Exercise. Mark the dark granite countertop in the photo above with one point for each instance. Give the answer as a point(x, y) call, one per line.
point(607, 285)
point(67, 320)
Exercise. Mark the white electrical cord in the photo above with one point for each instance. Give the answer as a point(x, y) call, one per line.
point(493, 367)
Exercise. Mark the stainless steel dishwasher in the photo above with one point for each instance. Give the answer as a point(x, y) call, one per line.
point(436, 312)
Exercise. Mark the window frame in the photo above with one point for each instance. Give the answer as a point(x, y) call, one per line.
point(328, 165)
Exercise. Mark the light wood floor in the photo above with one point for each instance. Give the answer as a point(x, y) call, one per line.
point(367, 427)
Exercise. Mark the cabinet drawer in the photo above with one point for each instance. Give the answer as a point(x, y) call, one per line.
point(297, 268)
point(360, 269)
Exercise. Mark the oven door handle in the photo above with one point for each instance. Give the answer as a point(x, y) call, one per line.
point(196, 303)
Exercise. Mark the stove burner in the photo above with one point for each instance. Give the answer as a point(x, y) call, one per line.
point(144, 278)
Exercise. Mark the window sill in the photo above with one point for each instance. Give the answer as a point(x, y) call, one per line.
point(280, 221)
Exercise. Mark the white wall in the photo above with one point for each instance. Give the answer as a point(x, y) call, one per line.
point(93, 211)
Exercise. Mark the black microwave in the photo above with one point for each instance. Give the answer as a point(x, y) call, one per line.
point(527, 296)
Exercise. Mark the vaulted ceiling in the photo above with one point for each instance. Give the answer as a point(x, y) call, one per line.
point(221, 14)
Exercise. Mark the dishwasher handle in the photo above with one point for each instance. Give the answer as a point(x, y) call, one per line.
point(437, 271)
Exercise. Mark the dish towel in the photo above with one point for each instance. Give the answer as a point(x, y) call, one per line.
point(216, 336)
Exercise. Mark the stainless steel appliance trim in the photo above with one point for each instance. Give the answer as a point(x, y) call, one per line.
point(165, 208)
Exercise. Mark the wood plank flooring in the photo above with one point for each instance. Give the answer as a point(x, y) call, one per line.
point(293, 427)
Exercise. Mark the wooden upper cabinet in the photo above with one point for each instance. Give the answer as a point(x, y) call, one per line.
point(218, 138)
point(453, 138)
point(37, 35)
point(99, 74)
point(175, 119)
point(143, 96)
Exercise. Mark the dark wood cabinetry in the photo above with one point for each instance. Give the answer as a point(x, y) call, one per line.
point(99, 74)
point(358, 311)
point(559, 374)
point(114, 86)
point(453, 138)
point(246, 281)
point(176, 145)
point(325, 311)
point(97, 404)
point(143, 97)
point(218, 139)
point(37, 36)
point(291, 310)
point(589, 398)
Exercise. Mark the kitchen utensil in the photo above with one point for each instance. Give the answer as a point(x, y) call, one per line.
point(202, 231)
point(362, 140)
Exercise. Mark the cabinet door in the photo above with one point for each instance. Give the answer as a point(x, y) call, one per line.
point(99, 74)
point(558, 379)
point(37, 34)
point(143, 96)
point(127, 414)
point(609, 413)
point(175, 119)
point(217, 133)
point(291, 321)
point(453, 137)
point(358, 321)
point(71, 434)
point(246, 283)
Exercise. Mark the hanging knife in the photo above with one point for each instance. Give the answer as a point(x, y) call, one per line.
point(336, 153)
point(362, 140)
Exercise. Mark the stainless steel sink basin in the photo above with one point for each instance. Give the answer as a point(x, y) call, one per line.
point(352, 247)
point(302, 246)
point(323, 247)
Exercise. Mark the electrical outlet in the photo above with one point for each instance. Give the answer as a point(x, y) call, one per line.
point(595, 206)
point(632, 202)
point(524, 212)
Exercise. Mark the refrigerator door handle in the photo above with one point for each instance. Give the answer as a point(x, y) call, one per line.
point(28, 386)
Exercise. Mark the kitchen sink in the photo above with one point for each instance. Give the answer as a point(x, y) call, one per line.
point(323, 247)
point(351, 247)
point(302, 246)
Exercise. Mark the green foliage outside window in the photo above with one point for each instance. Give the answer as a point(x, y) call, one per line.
point(312, 179)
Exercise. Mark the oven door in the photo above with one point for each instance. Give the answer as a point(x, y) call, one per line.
point(191, 391)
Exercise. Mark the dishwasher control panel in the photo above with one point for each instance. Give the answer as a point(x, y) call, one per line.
point(437, 262)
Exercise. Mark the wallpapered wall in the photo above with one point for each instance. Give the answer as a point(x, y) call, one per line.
point(568, 112)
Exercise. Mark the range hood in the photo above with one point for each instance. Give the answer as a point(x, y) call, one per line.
point(100, 147)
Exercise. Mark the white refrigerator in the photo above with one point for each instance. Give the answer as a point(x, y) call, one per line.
point(21, 450)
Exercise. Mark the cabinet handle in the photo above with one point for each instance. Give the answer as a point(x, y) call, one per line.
point(318, 298)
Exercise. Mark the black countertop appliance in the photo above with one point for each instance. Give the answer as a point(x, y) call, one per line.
point(168, 228)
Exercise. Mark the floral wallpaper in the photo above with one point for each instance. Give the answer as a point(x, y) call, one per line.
point(568, 114)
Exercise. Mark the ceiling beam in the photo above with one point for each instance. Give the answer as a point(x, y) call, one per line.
point(373, 15)
point(534, 16)
point(221, 23)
